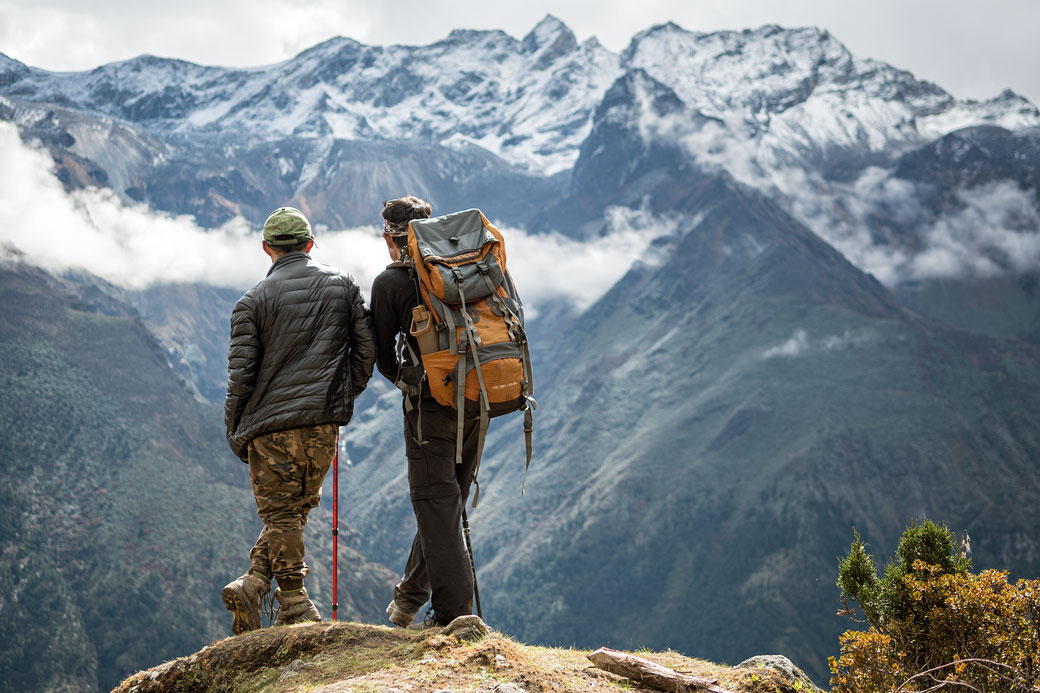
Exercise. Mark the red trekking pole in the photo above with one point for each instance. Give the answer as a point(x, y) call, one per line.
point(335, 530)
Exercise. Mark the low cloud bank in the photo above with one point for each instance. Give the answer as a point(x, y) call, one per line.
point(131, 245)
point(879, 222)
point(134, 246)
point(550, 267)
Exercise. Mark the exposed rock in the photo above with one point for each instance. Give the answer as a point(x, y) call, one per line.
point(781, 665)
point(467, 628)
point(296, 667)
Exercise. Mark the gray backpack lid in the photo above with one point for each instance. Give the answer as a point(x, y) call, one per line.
point(451, 235)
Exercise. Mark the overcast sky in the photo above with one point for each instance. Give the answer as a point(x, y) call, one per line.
point(972, 48)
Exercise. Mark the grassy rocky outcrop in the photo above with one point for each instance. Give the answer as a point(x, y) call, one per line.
point(354, 657)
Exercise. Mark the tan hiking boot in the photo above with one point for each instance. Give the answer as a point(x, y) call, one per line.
point(242, 598)
point(294, 606)
point(398, 616)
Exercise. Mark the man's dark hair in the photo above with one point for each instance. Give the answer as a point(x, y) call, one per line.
point(283, 249)
point(399, 212)
point(404, 209)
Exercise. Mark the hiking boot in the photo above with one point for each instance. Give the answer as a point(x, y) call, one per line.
point(398, 616)
point(294, 606)
point(242, 598)
point(430, 620)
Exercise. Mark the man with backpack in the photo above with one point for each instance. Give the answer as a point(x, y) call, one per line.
point(438, 567)
point(301, 351)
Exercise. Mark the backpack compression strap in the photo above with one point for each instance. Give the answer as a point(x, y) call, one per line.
point(470, 349)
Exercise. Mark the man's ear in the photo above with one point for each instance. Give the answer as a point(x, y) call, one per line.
point(310, 244)
point(268, 250)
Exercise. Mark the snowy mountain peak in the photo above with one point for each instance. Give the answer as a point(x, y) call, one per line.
point(548, 41)
point(11, 70)
point(768, 68)
point(548, 30)
point(1012, 101)
point(7, 61)
point(336, 44)
point(658, 30)
point(1007, 110)
point(792, 91)
point(476, 36)
point(800, 92)
point(591, 43)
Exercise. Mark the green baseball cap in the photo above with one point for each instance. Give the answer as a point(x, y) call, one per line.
point(287, 226)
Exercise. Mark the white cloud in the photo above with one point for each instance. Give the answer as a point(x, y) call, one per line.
point(847, 339)
point(997, 229)
point(796, 345)
point(134, 246)
point(799, 343)
point(549, 267)
point(878, 221)
point(987, 230)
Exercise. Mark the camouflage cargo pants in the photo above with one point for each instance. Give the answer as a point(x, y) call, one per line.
point(287, 469)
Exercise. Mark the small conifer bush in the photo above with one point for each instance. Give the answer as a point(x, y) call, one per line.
point(935, 625)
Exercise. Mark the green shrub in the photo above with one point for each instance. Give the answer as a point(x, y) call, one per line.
point(934, 625)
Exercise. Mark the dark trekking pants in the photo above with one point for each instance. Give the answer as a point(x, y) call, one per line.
point(438, 567)
point(287, 469)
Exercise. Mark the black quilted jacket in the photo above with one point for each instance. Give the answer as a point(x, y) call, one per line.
point(301, 351)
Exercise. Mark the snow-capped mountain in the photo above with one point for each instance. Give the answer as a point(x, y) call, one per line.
point(528, 101)
point(801, 91)
point(791, 92)
point(875, 161)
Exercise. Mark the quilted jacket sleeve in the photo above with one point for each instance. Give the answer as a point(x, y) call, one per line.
point(244, 356)
point(362, 346)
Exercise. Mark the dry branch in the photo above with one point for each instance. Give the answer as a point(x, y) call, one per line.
point(650, 674)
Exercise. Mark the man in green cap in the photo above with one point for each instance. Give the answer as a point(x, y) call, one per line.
point(301, 351)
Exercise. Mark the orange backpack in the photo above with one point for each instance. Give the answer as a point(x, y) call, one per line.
point(470, 328)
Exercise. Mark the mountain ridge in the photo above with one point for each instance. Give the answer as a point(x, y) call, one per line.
point(384, 77)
